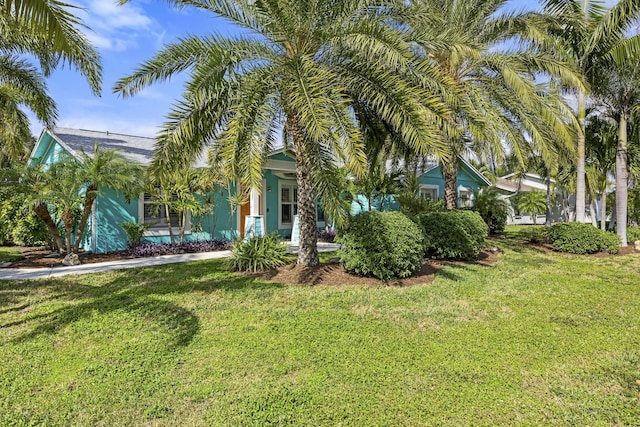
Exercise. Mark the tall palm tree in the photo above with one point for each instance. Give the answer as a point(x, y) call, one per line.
point(301, 66)
point(600, 143)
point(592, 37)
point(48, 31)
point(491, 87)
point(619, 92)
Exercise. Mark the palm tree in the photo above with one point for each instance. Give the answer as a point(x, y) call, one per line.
point(48, 31)
point(619, 92)
point(592, 38)
point(302, 68)
point(490, 87)
point(532, 202)
point(104, 168)
point(600, 144)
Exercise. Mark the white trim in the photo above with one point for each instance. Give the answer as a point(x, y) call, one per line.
point(470, 166)
point(294, 185)
point(470, 201)
point(281, 165)
point(430, 187)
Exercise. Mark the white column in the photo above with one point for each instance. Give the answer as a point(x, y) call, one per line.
point(254, 202)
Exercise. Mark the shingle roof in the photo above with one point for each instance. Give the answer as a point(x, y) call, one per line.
point(137, 149)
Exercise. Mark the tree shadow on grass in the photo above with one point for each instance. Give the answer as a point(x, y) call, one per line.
point(138, 292)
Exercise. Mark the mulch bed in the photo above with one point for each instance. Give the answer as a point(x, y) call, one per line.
point(332, 274)
point(35, 257)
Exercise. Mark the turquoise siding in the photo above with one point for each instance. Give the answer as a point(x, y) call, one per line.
point(48, 152)
point(466, 178)
point(112, 210)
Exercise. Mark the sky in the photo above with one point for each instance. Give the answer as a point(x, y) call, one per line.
point(126, 36)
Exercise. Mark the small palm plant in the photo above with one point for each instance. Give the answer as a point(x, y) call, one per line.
point(532, 202)
point(259, 253)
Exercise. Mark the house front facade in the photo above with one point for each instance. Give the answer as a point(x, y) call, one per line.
point(275, 204)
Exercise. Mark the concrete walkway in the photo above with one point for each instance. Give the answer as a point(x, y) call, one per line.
point(97, 267)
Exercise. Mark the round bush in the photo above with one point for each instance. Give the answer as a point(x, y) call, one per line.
point(577, 238)
point(454, 234)
point(383, 244)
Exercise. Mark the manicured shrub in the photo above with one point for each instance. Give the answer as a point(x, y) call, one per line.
point(454, 234)
point(382, 244)
point(577, 238)
point(148, 249)
point(633, 234)
point(534, 234)
point(259, 253)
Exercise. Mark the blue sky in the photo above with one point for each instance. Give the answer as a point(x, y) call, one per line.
point(126, 36)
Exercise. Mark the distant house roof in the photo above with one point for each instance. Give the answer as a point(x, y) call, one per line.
point(137, 149)
point(527, 182)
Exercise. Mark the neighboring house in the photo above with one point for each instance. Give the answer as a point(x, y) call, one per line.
point(277, 202)
point(431, 186)
point(561, 209)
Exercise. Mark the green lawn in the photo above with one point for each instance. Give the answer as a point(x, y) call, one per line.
point(538, 339)
point(9, 254)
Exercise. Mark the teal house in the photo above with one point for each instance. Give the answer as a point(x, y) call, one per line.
point(276, 203)
point(431, 186)
point(273, 208)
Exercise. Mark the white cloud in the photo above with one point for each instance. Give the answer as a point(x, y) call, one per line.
point(114, 27)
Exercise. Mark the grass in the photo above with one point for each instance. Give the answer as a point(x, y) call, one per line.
point(9, 254)
point(538, 339)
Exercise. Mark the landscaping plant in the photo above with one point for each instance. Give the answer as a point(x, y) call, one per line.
point(492, 209)
point(259, 253)
point(382, 244)
point(579, 238)
point(135, 232)
point(455, 234)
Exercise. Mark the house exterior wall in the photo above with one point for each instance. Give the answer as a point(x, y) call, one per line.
point(432, 179)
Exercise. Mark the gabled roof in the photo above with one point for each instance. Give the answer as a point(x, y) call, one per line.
point(527, 182)
point(137, 149)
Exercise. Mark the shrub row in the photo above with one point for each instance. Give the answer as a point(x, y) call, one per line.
point(577, 238)
point(633, 234)
point(389, 244)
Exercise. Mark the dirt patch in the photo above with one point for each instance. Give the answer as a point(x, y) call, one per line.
point(42, 257)
point(332, 274)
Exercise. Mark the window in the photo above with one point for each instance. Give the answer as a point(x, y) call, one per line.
point(465, 197)
point(288, 204)
point(429, 192)
point(149, 212)
point(157, 214)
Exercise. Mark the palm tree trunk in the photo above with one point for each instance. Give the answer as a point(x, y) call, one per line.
point(547, 221)
point(593, 211)
point(167, 212)
point(580, 179)
point(622, 178)
point(89, 199)
point(612, 223)
point(43, 213)
point(67, 221)
point(308, 247)
point(450, 175)
point(603, 210)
